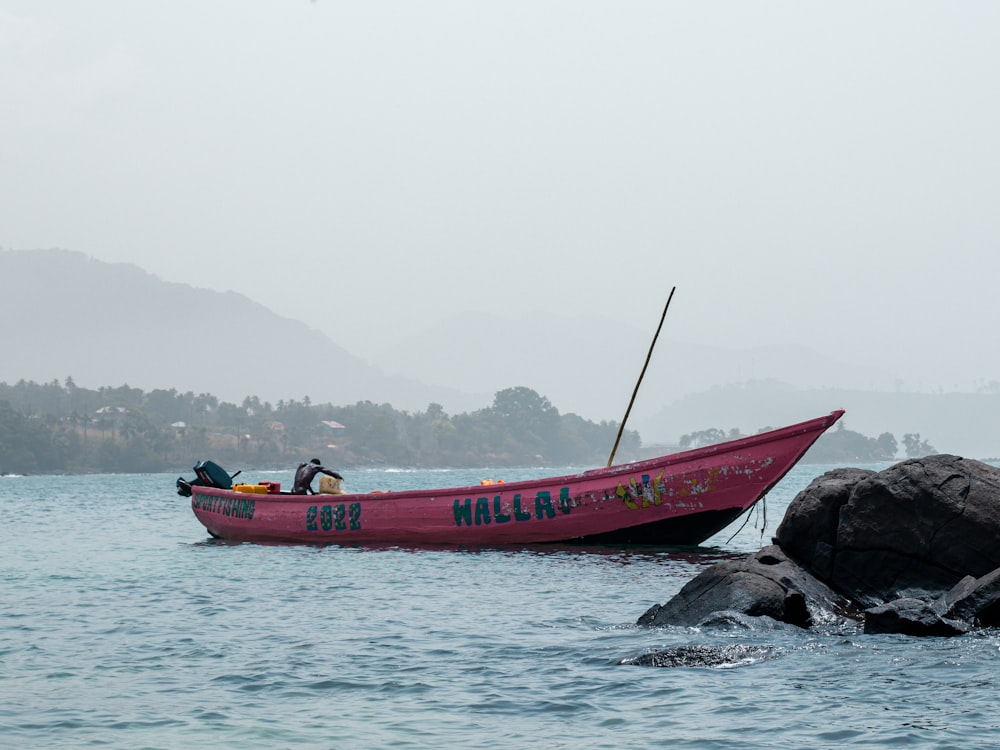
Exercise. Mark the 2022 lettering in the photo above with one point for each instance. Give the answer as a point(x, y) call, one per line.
point(333, 517)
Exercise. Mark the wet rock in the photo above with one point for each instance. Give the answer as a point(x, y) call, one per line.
point(913, 530)
point(916, 547)
point(703, 656)
point(808, 531)
point(765, 584)
point(911, 617)
point(973, 600)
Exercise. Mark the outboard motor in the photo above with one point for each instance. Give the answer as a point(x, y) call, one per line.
point(207, 474)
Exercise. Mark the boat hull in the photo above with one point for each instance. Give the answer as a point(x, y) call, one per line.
point(680, 499)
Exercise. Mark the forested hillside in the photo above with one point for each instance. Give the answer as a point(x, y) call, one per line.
point(56, 428)
point(61, 428)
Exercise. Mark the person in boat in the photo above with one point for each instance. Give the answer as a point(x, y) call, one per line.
point(306, 472)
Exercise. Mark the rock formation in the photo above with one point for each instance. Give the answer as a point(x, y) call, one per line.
point(912, 549)
point(765, 584)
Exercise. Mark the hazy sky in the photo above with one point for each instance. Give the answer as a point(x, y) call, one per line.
point(818, 173)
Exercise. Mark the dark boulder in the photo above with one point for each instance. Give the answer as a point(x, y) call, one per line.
point(971, 602)
point(911, 617)
point(912, 530)
point(766, 584)
point(916, 546)
point(975, 600)
point(808, 532)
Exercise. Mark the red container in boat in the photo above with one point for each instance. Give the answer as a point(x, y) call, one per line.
point(273, 488)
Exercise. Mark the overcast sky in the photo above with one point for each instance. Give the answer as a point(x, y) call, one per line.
point(817, 173)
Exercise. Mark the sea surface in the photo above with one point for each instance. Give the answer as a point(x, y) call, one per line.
point(123, 625)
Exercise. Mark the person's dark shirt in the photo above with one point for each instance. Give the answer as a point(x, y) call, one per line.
point(306, 473)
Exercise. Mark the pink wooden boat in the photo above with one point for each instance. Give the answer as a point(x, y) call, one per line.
point(680, 499)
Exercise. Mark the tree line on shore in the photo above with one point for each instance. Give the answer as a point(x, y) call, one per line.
point(835, 446)
point(63, 428)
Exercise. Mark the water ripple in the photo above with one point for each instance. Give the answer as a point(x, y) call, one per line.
point(137, 631)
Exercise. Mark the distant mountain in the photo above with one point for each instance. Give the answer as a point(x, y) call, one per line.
point(65, 314)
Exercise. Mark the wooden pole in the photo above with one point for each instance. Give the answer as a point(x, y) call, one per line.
point(621, 429)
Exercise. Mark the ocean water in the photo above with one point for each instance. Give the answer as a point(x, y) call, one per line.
point(123, 625)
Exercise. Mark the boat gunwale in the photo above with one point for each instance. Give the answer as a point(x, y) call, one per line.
point(816, 424)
